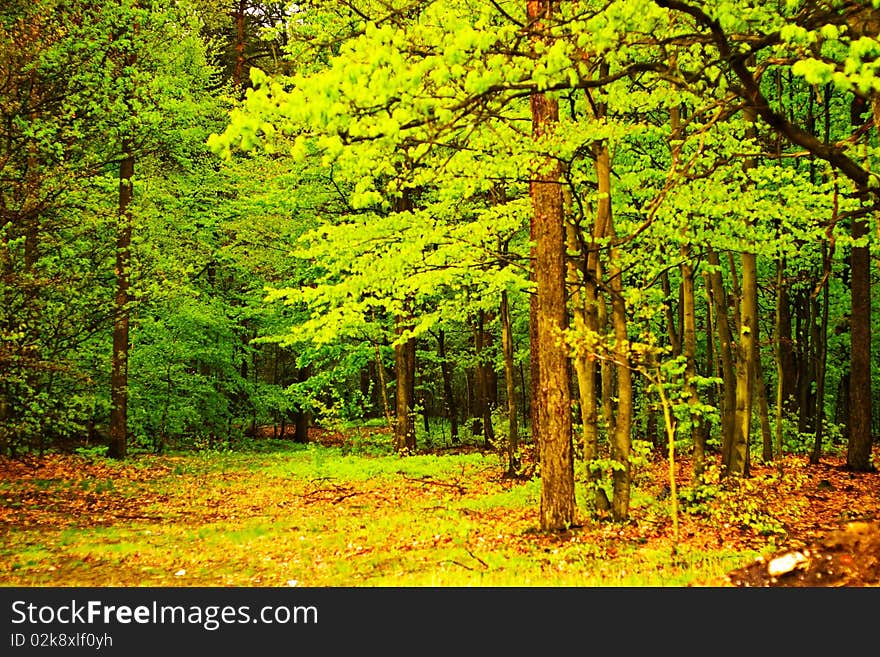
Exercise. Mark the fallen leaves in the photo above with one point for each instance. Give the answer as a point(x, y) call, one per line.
point(848, 556)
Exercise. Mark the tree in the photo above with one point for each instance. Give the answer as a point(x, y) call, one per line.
point(551, 423)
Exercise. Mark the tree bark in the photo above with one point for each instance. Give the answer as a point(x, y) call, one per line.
point(858, 453)
point(745, 372)
point(510, 383)
point(552, 405)
point(786, 349)
point(118, 447)
point(821, 359)
point(118, 444)
point(621, 443)
point(689, 350)
point(725, 353)
point(238, 15)
point(778, 341)
point(747, 330)
point(383, 386)
point(760, 396)
point(583, 304)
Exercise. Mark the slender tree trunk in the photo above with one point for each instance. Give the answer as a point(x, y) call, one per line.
point(383, 385)
point(858, 454)
point(738, 455)
point(607, 372)
point(821, 359)
point(725, 353)
point(585, 320)
point(841, 405)
point(713, 361)
point(778, 341)
point(552, 405)
point(745, 371)
point(786, 349)
point(760, 395)
point(118, 447)
point(510, 383)
point(669, 313)
point(806, 359)
point(689, 350)
point(622, 439)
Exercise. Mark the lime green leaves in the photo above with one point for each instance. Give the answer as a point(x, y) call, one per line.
point(835, 54)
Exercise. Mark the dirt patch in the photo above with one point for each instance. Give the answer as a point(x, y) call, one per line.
point(849, 556)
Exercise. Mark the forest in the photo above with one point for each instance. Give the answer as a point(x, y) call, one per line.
point(615, 259)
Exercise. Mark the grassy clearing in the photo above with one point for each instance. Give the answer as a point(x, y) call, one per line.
point(325, 516)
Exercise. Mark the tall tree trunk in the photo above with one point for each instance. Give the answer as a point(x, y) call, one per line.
point(118, 444)
point(552, 405)
point(607, 372)
point(806, 361)
point(778, 341)
point(821, 358)
point(689, 350)
point(688, 344)
point(738, 455)
point(238, 15)
point(583, 303)
point(510, 383)
point(118, 447)
point(786, 349)
point(745, 371)
point(713, 361)
point(760, 395)
point(858, 453)
point(621, 443)
point(725, 352)
point(822, 346)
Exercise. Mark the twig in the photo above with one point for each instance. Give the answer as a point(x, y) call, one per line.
point(428, 480)
point(344, 497)
point(476, 558)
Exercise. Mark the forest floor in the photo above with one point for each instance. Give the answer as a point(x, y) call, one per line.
point(823, 549)
point(63, 515)
point(831, 523)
